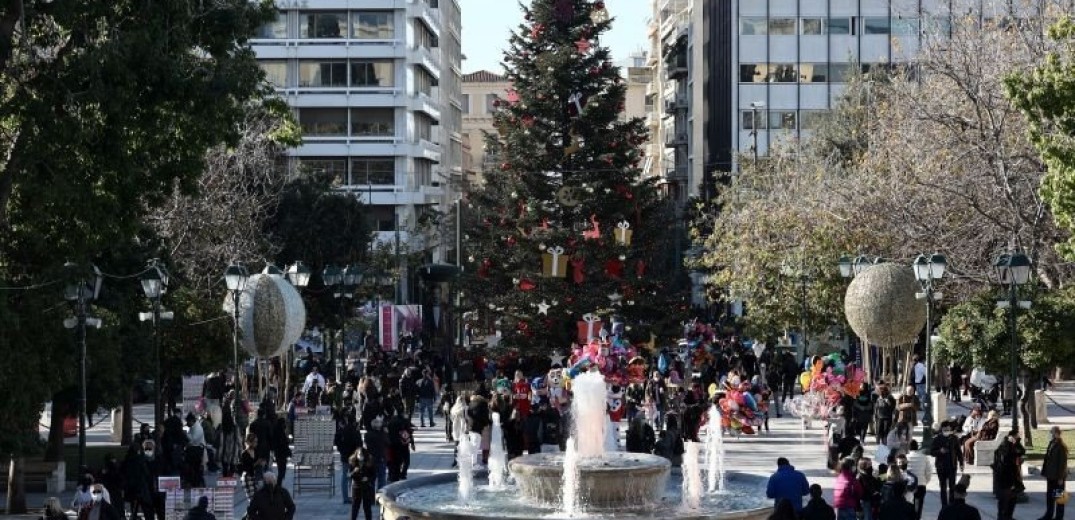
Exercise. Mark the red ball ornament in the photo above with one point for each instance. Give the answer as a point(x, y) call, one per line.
point(537, 30)
point(505, 166)
point(510, 240)
point(527, 285)
point(577, 267)
point(614, 268)
point(640, 268)
point(599, 4)
point(528, 121)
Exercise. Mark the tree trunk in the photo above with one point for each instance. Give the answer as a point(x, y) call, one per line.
point(16, 488)
point(126, 435)
point(1027, 405)
point(60, 410)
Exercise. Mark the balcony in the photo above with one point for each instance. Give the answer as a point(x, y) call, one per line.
point(676, 68)
point(676, 105)
point(675, 140)
point(676, 174)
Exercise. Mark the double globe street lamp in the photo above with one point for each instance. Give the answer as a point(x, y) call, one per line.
point(235, 278)
point(154, 285)
point(83, 287)
point(1013, 270)
point(926, 270)
point(343, 283)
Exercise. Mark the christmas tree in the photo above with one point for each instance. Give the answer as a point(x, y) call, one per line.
point(566, 232)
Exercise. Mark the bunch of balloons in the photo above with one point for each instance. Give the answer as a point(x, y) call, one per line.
point(610, 357)
point(827, 380)
point(743, 408)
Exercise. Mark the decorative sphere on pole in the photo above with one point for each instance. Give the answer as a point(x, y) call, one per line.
point(881, 306)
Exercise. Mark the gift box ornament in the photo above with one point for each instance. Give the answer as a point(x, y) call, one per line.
point(623, 233)
point(588, 327)
point(554, 262)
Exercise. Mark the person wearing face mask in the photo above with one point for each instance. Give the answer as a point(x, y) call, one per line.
point(946, 459)
point(915, 485)
point(883, 410)
point(99, 508)
point(1006, 478)
point(1055, 471)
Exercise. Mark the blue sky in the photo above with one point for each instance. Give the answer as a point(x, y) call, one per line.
point(488, 23)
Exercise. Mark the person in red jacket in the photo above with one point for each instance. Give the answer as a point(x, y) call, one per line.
point(520, 394)
point(847, 492)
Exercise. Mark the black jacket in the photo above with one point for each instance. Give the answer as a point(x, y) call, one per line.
point(818, 509)
point(948, 462)
point(199, 513)
point(896, 509)
point(271, 503)
point(958, 509)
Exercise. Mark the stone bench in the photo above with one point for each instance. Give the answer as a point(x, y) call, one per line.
point(983, 451)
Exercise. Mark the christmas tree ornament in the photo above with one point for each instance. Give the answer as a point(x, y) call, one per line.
point(512, 96)
point(543, 307)
point(615, 298)
point(614, 268)
point(576, 102)
point(483, 269)
point(567, 196)
point(573, 144)
point(577, 270)
point(595, 233)
point(535, 32)
point(588, 328)
point(526, 285)
point(510, 240)
point(582, 45)
point(542, 246)
point(599, 14)
point(553, 262)
point(623, 233)
point(528, 121)
point(640, 268)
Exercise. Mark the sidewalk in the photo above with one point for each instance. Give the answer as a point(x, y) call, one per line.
point(753, 454)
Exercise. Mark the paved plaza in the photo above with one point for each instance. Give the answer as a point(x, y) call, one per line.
point(752, 454)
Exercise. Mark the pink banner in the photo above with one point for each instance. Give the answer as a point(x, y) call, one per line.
point(388, 327)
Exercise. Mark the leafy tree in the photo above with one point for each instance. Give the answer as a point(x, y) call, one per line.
point(569, 175)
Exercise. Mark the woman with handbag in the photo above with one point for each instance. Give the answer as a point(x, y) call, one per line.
point(1055, 471)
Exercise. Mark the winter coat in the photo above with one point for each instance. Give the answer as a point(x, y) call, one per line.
point(271, 503)
point(817, 509)
point(885, 407)
point(896, 508)
point(1055, 466)
point(958, 509)
point(948, 462)
point(846, 492)
point(788, 483)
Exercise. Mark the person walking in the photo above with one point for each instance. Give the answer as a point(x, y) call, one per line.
point(400, 444)
point(784, 510)
point(271, 502)
point(958, 508)
point(918, 371)
point(817, 508)
point(281, 448)
point(883, 411)
point(871, 488)
point(376, 442)
point(1006, 480)
point(427, 397)
point(230, 442)
point(98, 508)
point(348, 440)
point(363, 477)
point(847, 492)
point(1055, 472)
point(947, 460)
point(251, 466)
point(787, 483)
point(896, 506)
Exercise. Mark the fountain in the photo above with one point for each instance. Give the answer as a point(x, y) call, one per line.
point(586, 481)
point(714, 451)
point(497, 457)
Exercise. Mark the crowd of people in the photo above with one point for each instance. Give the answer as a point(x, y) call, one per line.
point(665, 397)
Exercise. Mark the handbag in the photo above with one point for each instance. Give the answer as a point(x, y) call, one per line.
point(1061, 496)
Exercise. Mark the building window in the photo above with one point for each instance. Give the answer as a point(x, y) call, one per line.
point(839, 72)
point(752, 72)
point(423, 172)
point(753, 25)
point(782, 26)
point(812, 26)
point(905, 26)
point(335, 168)
point(276, 29)
point(782, 120)
point(323, 74)
point(372, 25)
point(749, 117)
point(373, 122)
point(423, 127)
point(323, 25)
point(465, 101)
point(373, 170)
point(423, 81)
point(840, 26)
point(423, 37)
point(812, 119)
point(813, 72)
point(783, 73)
point(876, 25)
point(938, 24)
point(373, 73)
point(323, 122)
point(490, 103)
point(275, 72)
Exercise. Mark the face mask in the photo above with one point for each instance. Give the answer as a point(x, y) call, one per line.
point(97, 496)
point(149, 454)
point(903, 466)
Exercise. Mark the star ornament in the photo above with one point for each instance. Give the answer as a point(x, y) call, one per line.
point(556, 359)
point(543, 307)
point(583, 45)
point(615, 298)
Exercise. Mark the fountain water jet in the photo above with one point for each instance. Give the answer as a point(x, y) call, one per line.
point(714, 451)
point(571, 505)
point(498, 459)
point(692, 476)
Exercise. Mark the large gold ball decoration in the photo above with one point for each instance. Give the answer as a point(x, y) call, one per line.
point(272, 315)
point(881, 306)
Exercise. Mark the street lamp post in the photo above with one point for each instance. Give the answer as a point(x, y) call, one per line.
point(155, 284)
point(1013, 270)
point(754, 107)
point(82, 288)
point(343, 283)
point(235, 277)
point(926, 270)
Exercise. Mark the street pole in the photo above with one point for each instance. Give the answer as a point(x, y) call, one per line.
point(754, 133)
point(157, 412)
point(927, 400)
point(82, 376)
point(1013, 302)
point(239, 382)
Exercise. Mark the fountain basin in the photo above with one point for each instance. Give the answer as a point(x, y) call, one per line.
point(435, 498)
point(612, 481)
